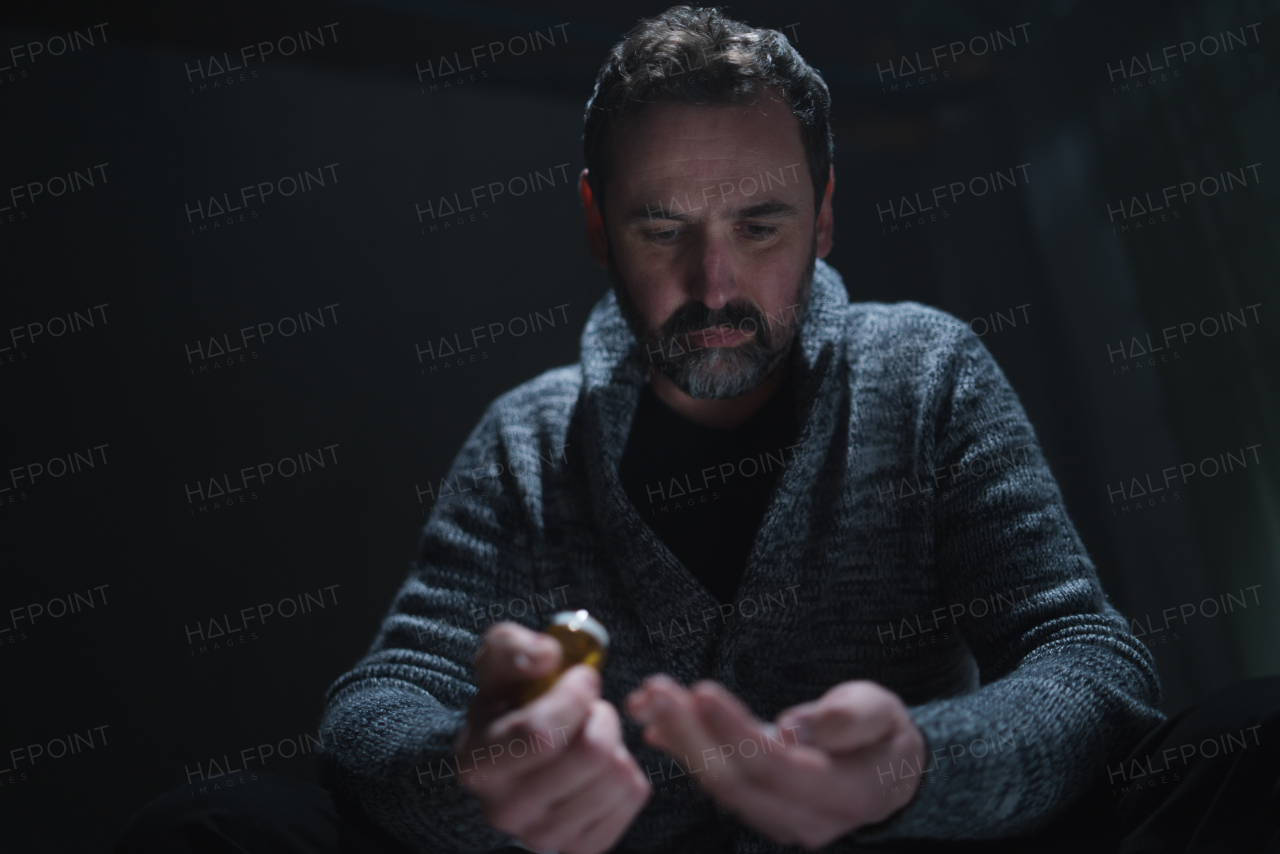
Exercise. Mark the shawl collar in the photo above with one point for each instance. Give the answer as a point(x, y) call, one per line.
point(658, 584)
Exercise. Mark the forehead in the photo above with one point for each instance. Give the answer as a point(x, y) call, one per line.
point(669, 144)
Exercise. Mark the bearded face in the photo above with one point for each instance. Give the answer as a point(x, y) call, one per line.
point(717, 353)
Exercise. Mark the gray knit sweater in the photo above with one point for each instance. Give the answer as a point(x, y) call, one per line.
point(916, 537)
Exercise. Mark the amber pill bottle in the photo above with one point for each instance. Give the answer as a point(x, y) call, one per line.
point(583, 640)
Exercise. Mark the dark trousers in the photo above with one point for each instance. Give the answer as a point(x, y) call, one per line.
point(1207, 780)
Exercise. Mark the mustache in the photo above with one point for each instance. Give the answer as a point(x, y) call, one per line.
point(695, 316)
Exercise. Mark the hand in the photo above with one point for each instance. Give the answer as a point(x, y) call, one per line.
point(555, 774)
point(808, 779)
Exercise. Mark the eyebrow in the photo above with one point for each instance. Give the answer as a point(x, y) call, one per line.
point(771, 209)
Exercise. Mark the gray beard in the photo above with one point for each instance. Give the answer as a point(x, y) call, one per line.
point(717, 372)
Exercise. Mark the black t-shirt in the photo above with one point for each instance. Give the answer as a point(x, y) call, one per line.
point(704, 490)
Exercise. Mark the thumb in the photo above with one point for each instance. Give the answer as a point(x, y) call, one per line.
point(849, 717)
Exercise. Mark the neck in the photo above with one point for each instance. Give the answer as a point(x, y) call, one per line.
point(720, 413)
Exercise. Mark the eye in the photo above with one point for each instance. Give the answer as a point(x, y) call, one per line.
point(666, 235)
point(759, 231)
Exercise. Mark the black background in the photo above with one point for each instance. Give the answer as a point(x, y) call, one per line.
point(1048, 245)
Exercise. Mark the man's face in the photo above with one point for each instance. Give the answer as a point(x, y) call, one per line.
point(709, 212)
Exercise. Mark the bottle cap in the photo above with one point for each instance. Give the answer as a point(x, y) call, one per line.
point(580, 620)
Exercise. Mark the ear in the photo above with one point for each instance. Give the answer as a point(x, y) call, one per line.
point(826, 218)
point(595, 224)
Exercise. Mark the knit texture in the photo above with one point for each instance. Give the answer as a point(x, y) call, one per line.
point(915, 538)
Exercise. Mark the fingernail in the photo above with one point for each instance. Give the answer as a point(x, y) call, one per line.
point(522, 660)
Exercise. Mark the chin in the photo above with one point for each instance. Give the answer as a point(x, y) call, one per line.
point(710, 383)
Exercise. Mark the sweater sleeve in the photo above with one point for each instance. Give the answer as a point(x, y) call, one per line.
point(1064, 687)
point(389, 722)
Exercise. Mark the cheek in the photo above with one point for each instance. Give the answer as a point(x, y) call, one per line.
point(656, 297)
point(654, 287)
point(776, 283)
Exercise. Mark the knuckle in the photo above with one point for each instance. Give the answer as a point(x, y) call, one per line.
point(597, 746)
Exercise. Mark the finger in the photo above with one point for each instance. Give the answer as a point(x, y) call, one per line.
point(796, 712)
point(639, 699)
point(511, 655)
point(769, 785)
point(563, 708)
point(849, 717)
point(634, 700)
point(674, 717)
point(879, 779)
point(727, 707)
point(605, 832)
point(673, 724)
point(537, 734)
point(656, 690)
point(740, 741)
point(777, 816)
point(757, 754)
point(567, 820)
point(653, 737)
point(681, 724)
point(581, 762)
point(667, 709)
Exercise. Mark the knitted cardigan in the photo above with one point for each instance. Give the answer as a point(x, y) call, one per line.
point(915, 537)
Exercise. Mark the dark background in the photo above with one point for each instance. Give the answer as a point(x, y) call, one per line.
point(1048, 245)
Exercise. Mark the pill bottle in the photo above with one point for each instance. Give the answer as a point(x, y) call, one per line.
point(583, 640)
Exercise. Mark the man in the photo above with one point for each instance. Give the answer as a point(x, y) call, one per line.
point(708, 196)
point(831, 520)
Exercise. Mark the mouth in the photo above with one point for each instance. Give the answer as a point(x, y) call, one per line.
point(719, 336)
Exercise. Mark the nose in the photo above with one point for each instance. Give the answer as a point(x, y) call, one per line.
point(713, 270)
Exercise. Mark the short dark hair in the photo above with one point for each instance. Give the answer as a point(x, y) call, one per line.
point(658, 61)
